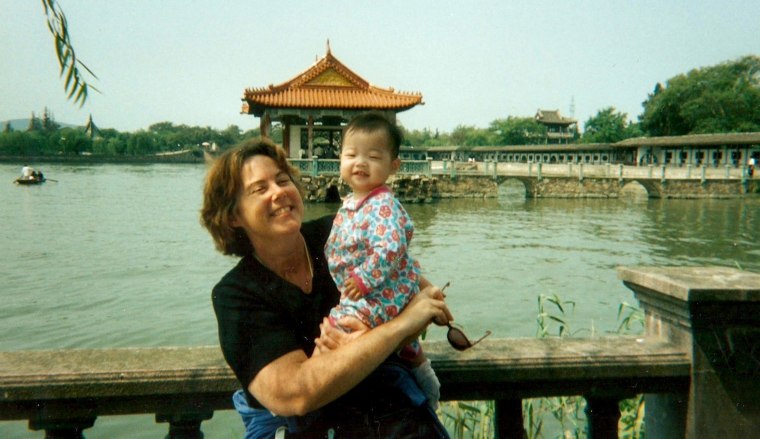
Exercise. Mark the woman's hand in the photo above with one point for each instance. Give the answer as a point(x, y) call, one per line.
point(427, 306)
point(331, 337)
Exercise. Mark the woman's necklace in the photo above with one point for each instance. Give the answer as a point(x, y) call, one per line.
point(307, 282)
point(291, 273)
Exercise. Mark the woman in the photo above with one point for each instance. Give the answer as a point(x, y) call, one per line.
point(270, 308)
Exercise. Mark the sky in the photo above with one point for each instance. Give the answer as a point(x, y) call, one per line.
point(189, 62)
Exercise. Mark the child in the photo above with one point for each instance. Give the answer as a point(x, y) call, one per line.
point(367, 248)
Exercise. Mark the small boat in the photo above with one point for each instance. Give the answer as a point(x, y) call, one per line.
point(30, 181)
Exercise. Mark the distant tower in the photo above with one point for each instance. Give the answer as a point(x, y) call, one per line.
point(559, 129)
point(34, 123)
point(572, 106)
point(90, 128)
point(48, 122)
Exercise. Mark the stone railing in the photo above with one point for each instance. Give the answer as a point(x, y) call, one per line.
point(697, 363)
point(331, 167)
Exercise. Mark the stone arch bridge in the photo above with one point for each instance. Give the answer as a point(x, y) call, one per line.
point(423, 181)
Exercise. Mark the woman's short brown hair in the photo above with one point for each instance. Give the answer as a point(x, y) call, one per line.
point(224, 181)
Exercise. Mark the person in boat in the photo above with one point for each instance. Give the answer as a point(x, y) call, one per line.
point(272, 306)
point(37, 175)
point(27, 172)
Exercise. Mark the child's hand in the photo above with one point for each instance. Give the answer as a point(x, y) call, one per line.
point(331, 337)
point(351, 290)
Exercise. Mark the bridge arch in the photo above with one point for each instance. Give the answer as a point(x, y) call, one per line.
point(528, 184)
point(632, 188)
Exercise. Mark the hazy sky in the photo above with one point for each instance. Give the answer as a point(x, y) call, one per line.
point(189, 62)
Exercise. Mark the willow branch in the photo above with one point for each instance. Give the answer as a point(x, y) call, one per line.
point(75, 84)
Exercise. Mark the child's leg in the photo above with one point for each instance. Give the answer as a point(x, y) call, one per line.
point(428, 382)
point(425, 376)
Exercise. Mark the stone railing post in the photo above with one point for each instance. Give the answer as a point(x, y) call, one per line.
point(314, 166)
point(714, 314)
point(429, 171)
point(580, 172)
point(538, 171)
point(602, 416)
point(185, 425)
point(65, 428)
point(620, 173)
point(508, 419)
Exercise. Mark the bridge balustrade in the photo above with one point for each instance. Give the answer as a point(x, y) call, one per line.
point(697, 365)
point(315, 167)
point(583, 170)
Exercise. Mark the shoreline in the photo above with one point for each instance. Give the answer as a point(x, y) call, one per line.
point(99, 159)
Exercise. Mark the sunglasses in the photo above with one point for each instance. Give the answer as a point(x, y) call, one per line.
point(456, 336)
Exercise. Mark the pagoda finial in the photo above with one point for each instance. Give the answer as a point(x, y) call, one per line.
point(328, 46)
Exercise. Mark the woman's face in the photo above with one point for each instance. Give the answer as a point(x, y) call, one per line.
point(269, 204)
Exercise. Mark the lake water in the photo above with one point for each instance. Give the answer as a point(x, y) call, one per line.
point(114, 256)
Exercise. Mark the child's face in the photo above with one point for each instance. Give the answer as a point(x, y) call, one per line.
point(366, 161)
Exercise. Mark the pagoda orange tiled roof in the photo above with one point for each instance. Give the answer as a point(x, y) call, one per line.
point(328, 84)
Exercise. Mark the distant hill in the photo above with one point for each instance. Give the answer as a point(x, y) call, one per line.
point(23, 124)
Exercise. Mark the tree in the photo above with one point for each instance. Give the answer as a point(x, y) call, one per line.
point(141, 143)
point(69, 141)
point(424, 137)
point(720, 98)
point(609, 126)
point(517, 131)
point(229, 136)
point(470, 136)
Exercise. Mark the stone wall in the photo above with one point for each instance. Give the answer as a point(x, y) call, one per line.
point(466, 187)
point(408, 189)
point(571, 187)
point(574, 188)
point(424, 189)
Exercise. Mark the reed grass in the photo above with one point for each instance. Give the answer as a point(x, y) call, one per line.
point(556, 417)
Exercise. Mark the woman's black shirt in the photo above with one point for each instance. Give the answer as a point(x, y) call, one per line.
point(262, 317)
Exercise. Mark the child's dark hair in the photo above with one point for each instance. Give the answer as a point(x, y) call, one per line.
point(374, 121)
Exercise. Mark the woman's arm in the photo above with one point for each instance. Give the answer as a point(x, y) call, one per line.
point(295, 384)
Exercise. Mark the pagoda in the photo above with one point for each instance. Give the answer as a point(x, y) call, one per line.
point(559, 128)
point(315, 105)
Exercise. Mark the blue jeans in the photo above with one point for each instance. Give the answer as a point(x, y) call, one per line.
point(262, 424)
point(259, 423)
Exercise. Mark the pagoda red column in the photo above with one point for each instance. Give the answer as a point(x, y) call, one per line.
point(265, 125)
